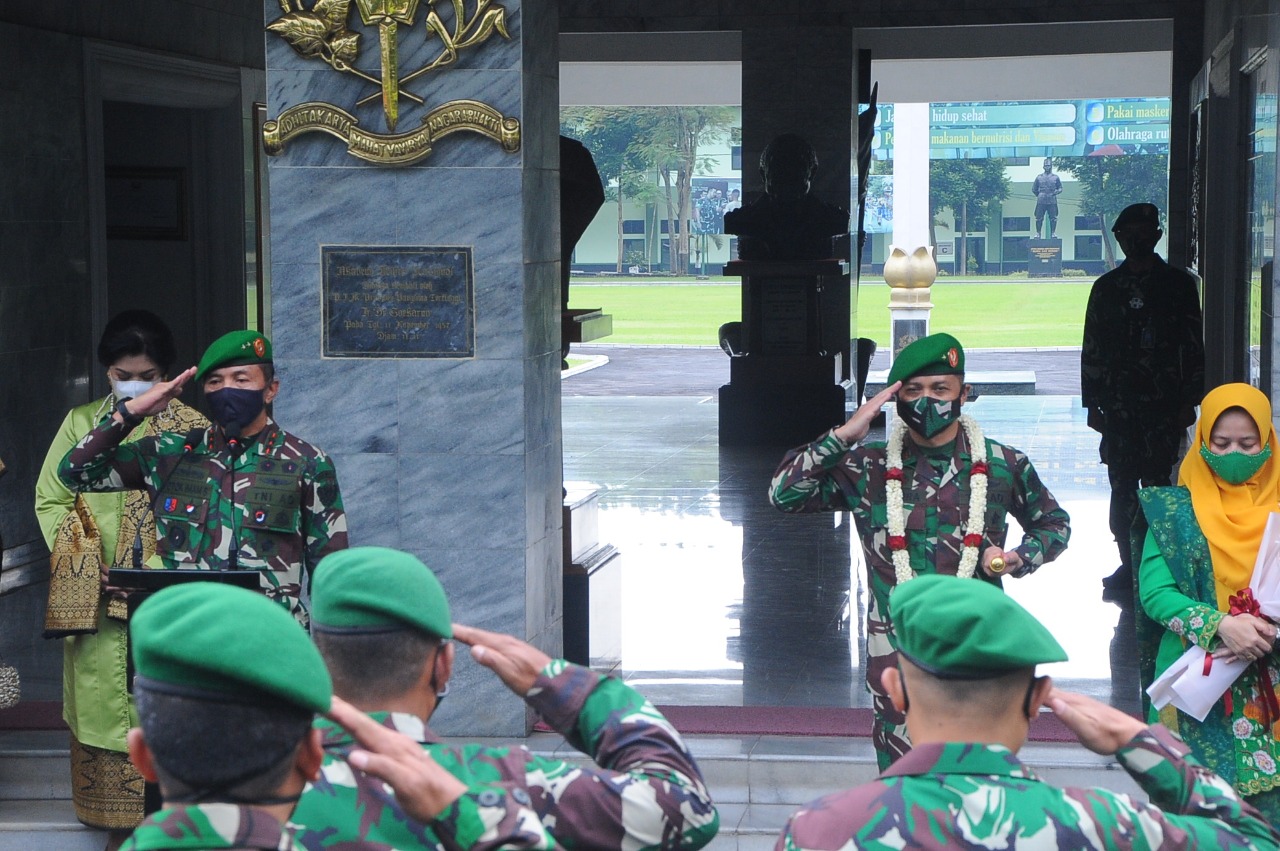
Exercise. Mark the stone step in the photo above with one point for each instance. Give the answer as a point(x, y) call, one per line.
point(757, 781)
point(45, 826)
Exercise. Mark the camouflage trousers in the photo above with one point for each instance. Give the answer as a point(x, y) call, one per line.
point(888, 725)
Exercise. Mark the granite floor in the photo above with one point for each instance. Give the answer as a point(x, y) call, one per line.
point(726, 601)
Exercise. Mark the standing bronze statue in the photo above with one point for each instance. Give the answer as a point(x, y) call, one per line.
point(1046, 187)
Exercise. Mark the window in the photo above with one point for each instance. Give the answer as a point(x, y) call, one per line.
point(1088, 247)
point(633, 225)
point(735, 157)
point(1016, 249)
point(664, 223)
point(633, 252)
point(1016, 223)
point(1088, 223)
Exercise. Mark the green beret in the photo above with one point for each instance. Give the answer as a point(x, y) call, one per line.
point(967, 629)
point(234, 349)
point(937, 354)
point(376, 589)
point(1138, 214)
point(216, 640)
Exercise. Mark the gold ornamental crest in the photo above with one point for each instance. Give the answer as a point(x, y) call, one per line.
point(321, 33)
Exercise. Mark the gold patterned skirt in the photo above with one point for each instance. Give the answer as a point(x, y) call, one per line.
point(105, 787)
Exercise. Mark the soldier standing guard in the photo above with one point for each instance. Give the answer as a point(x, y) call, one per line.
point(243, 494)
point(1141, 372)
point(933, 499)
point(382, 623)
point(967, 682)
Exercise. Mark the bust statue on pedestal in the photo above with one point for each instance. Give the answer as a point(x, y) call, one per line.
point(788, 223)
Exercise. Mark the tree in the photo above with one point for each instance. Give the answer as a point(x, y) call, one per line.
point(609, 133)
point(670, 144)
point(1108, 184)
point(972, 190)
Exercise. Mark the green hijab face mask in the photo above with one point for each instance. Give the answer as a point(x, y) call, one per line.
point(1235, 468)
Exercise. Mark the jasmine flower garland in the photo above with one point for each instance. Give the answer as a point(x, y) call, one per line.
point(977, 500)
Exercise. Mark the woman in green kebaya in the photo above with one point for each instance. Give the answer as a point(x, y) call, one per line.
point(1195, 583)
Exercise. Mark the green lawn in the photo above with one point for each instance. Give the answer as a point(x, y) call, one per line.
point(983, 315)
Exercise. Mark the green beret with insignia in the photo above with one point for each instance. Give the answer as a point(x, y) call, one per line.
point(937, 354)
point(236, 348)
point(377, 589)
point(967, 629)
point(216, 641)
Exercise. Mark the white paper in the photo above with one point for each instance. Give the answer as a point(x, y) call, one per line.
point(1184, 684)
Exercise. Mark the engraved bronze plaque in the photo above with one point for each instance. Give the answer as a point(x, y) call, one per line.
point(397, 302)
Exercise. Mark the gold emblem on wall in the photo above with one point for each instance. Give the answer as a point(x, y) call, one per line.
point(321, 33)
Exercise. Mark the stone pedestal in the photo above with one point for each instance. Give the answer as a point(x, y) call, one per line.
point(1044, 258)
point(908, 317)
point(592, 585)
point(788, 385)
point(455, 457)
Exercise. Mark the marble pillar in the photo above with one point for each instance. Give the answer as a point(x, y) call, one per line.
point(457, 460)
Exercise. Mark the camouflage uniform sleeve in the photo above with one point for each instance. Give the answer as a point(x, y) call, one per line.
point(817, 477)
point(1165, 603)
point(1046, 527)
point(490, 817)
point(324, 523)
point(1191, 807)
point(647, 791)
point(101, 462)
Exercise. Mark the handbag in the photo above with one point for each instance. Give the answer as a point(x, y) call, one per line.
point(75, 575)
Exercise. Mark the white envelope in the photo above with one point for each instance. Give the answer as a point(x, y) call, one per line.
point(1184, 684)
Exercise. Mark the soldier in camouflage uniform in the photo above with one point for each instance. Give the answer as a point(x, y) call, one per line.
point(228, 685)
point(967, 683)
point(1141, 371)
point(382, 623)
point(241, 495)
point(939, 530)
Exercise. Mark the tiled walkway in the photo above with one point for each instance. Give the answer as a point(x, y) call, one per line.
point(727, 601)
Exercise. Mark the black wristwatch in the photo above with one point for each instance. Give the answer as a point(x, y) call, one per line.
point(130, 420)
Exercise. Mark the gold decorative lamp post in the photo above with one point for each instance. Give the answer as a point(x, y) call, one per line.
point(910, 277)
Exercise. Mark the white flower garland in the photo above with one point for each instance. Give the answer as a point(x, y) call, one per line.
point(977, 500)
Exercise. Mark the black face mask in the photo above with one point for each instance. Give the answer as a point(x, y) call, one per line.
point(234, 408)
point(928, 416)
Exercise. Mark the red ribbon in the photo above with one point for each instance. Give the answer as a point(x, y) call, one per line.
point(897, 542)
point(972, 540)
point(893, 474)
point(1244, 603)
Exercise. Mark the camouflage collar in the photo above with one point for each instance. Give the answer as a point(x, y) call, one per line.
point(334, 737)
point(960, 758)
point(201, 827)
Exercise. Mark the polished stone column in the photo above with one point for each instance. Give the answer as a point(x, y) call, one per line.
point(457, 460)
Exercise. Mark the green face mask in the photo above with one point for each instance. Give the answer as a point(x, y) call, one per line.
point(1235, 468)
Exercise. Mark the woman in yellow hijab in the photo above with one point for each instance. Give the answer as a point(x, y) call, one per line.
point(1197, 564)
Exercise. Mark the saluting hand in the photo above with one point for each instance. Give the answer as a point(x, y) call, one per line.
point(158, 397)
point(860, 423)
point(422, 786)
point(1099, 727)
point(517, 663)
